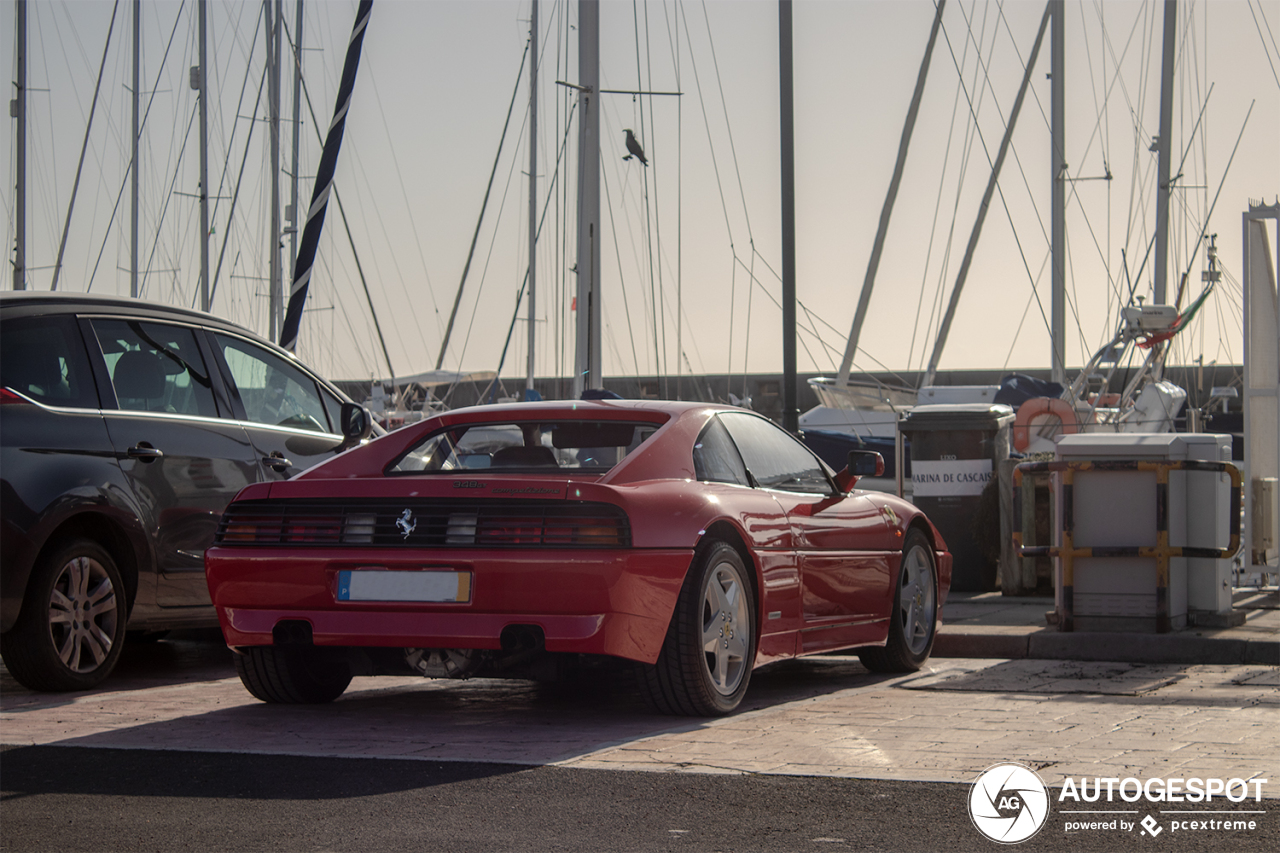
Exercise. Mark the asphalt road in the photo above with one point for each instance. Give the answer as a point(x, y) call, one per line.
point(73, 799)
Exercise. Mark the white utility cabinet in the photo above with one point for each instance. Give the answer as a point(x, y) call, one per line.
point(1118, 509)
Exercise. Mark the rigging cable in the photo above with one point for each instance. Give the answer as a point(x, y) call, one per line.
point(132, 165)
point(1267, 50)
point(444, 345)
point(493, 240)
point(342, 213)
point(937, 209)
point(658, 350)
point(93, 106)
point(617, 253)
point(235, 193)
point(413, 223)
point(226, 162)
point(546, 205)
point(164, 210)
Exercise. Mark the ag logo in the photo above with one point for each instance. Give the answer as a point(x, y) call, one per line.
point(1008, 803)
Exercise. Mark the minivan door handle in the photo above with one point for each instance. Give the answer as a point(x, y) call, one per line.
point(144, 452)
point(276, 462)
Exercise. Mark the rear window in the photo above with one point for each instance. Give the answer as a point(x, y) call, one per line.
point(44, 358)
point(541, 447)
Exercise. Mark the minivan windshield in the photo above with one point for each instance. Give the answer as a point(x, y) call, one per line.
point(541, 447)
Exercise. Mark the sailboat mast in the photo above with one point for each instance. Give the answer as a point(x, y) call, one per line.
point(133, 231)
point(20, 108)
point(1163, 189)
point(587, 359)
point(297, 128)
point(790, 415)
point(203, 87)
point(1058, 202)
point(274, 13)
point(533, 187)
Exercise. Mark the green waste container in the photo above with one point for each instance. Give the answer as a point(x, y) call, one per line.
point(956, 450)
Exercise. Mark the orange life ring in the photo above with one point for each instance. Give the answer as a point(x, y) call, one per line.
point(1036, 413)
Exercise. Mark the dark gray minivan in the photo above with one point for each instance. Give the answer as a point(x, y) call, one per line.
point(125, 429)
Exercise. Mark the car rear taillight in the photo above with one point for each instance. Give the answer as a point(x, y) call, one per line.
point(509, 531)
point(484, 524)
point(247, 531)
point(311, 529)
point(589, 530)
point(7, 396)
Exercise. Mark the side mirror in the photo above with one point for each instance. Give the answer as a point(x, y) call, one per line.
point(862, 463)
point(357, 423)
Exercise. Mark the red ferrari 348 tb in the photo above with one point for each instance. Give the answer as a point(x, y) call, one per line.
point(697, 541)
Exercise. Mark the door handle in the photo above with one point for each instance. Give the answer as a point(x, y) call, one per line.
point(277, 462)
point(144, 452)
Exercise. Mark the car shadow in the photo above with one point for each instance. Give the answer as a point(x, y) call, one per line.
point(489, 721)
point(35, 770)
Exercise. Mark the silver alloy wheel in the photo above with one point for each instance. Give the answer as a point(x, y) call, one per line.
point(726, 628)
point(83, 610)
point(917, 603)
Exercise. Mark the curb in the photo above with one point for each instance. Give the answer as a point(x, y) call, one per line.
point(1099, 646)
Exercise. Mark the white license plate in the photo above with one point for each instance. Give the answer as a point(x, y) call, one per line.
point(382, 585)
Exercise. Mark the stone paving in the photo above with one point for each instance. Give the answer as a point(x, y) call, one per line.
point(822, 716)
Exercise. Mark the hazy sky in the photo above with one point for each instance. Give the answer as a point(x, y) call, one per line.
point(694, 229)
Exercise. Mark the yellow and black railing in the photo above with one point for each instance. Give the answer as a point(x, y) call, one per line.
point(1162, 551)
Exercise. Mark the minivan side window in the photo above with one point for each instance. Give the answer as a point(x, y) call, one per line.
point(156, 367)
point(273, 391)
point(44, 358)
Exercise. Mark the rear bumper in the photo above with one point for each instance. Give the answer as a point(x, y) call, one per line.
point(620, 635)
point(611, 602)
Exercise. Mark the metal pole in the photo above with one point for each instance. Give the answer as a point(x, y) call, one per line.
point(1058, 201)
point(19, 109)
point(587, 352)
point(533, 189)
point(1165, 142)
point(297, 127)
point(133, 233)
point(274, 20)
point(790, 416)
point(204, 158)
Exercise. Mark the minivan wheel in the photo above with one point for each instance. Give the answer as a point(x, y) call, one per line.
point(71, 629)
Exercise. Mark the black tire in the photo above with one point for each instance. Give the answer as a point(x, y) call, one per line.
point(71, 629)
point(913, 622)
point(284, 675)
point(710, 647)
